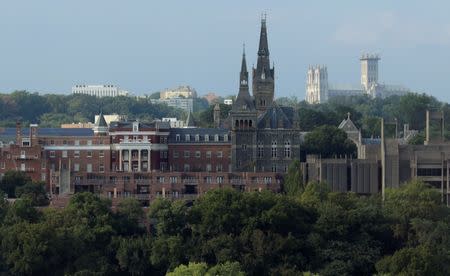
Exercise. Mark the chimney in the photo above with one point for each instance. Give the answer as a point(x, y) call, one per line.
point(33, 134)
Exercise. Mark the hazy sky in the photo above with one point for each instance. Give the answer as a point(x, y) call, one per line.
point(145, 46)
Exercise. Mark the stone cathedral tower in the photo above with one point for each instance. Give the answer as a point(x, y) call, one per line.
point(263, 75)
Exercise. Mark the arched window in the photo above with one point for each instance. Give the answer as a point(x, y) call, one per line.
point(274, 149)
point(250, 123)
point(287, 149)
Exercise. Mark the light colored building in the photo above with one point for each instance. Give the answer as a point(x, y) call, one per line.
point(106, 90)
point(180, 92)
point(182, 103)
point(112, 118)
point(174, 122)
point(78, 125)
point(228, 101)
point(319, 90)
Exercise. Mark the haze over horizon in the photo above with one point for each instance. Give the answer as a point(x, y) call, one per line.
point(142, 46)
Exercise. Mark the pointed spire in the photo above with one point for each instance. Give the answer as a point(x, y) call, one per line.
point(101, 122)
point(190, 120)
point(263, 45)
point(244, 62)
point(244, 100)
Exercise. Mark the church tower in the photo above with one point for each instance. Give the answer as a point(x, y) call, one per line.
point(263, 75)
point(243, 125)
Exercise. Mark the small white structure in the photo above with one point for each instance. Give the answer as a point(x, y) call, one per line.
point(228, 101)
point(174, 122)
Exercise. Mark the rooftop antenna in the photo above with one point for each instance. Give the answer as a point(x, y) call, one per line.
point(243, 48)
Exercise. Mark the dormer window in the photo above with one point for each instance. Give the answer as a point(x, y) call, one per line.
point(216, 138)
point(187, 138)
point(197, 137)
point(135, 126)
point(177, 138)
point(206, 137)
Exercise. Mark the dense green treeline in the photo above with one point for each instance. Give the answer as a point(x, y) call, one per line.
point(52, 110)
point(226, 232)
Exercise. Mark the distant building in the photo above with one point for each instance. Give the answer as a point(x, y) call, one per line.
point(228, 101)
point(78, 125)
point(318, 89)
point(211, 97)
point(179, 92)
point(174, 122)
point(182, 103)
point(112, 118)
point(107, 90)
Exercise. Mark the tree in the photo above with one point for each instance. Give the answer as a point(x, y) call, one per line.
point(328, 141)
point(11, 180)
point(133, 255)
point(293, 184)
point(129, 215)
point(35, 191)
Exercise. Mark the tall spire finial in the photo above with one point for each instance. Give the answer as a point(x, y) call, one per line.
point(243, 48)
point(348, 115)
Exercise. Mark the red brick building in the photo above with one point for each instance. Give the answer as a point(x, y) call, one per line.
point(128, 159)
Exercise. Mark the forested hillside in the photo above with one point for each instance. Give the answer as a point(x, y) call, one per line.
point(52, 110)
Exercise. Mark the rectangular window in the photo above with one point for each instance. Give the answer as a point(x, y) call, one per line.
point(173, 180)
point(206, 137)
point(208, 179)
point(3, 165)
point(43, 165)
point(197, 154)
point(64, 154)
point(101, 154)
point(216, 138)
point(225, 138)
point(76, 167)
point(89, 142)
point(186, 154)
point(219, 179)
point(177, 138)
point(43, 176)
point(187, 167)
point(187, 138)
point(89, 153)
point(219, 154)
point(76, 154)
point(197, 138)
point(101, 168)
point(208, 167)
point(219, 168)
point(208, 154)
point(89, 168)
point(52, 154)
point(160, 179)
point(175, 154)
point(77, 142)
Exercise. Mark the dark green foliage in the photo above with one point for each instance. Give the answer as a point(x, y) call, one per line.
point(11, 180)
point(35, 191)
point(226, 232)
point(206, 117)
point(53, 110)
point(328, 141)
point(293, 184)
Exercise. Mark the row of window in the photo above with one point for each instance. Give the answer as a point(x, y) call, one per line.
point(188, 168)
point(75, 142)
point(197, 138)
point(76, 154)
point(187, 154)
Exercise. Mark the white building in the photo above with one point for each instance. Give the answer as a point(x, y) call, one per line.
point(318, 89)
point(174, 122)
point(106, 90)
point(182, 103)
point(179, 92)
point(228, 101)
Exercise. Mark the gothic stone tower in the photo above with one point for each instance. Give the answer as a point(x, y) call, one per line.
point(369, 70)
point(243, 125)
point(263, 75)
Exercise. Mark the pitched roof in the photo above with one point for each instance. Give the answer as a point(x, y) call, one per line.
point(274, 118)
point(101, 122)
point(347, 124)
